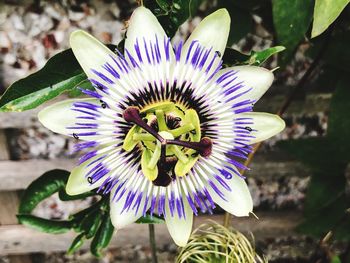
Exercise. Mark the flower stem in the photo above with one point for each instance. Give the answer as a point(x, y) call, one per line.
point(152, 242)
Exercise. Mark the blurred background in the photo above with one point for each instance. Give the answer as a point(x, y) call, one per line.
point(299, 185)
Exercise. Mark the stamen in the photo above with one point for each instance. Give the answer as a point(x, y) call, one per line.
point(204, 147)
point(161, 120)
point(143, 137)
point(132, 114)
point(179, 154)
point(182, 130)
point(156, 155)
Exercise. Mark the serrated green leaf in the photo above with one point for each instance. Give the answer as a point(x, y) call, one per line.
point(60, 74)
point(325, 13)
point(43, 187)
point(148, 219)
point(292, 19)
point(45, 225)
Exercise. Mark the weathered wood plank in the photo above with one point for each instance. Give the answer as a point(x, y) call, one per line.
point(9, 202)
point(20, 239)
point(313, 103)
point(16, 175)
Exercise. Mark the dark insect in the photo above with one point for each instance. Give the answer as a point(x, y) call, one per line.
point(89, 180)
point(103, 104)
point(248, 129)
point(75, 136)
point(218, 53)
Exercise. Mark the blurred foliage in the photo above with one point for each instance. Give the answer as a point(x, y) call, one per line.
point(291, 20)
point(327, 202)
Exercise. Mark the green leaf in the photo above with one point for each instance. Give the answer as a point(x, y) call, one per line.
point(341, 231)
point(335, 259)
point(45, 225)
point(60, 74)
point(257, 58)
point(43, 187)
point(325, 12)
point(148, 219)
point(102, 237)
point(321, 183)
point(81, 214)
point(326, 219)
point(320, 154)
point(337, 54)
point(91, 222)
point(233, 57)
point(76, 244)
point(292, 19)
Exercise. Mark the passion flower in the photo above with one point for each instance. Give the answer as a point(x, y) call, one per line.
point(166, 129)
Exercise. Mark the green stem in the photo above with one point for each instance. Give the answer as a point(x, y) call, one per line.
point(152, 241)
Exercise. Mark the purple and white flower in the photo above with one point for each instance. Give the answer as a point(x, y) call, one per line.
point(167, 128)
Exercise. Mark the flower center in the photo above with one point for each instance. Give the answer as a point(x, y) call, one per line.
point(169, 137)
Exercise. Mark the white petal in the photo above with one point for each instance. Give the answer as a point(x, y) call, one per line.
point(77, 181)
point(143, 25)
point(212, 32)
point(120, 218)
point(257, 78)
point(59, 116)
point(90, 53)
point(179, 228)
point(238, 201)
point(265, 125)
